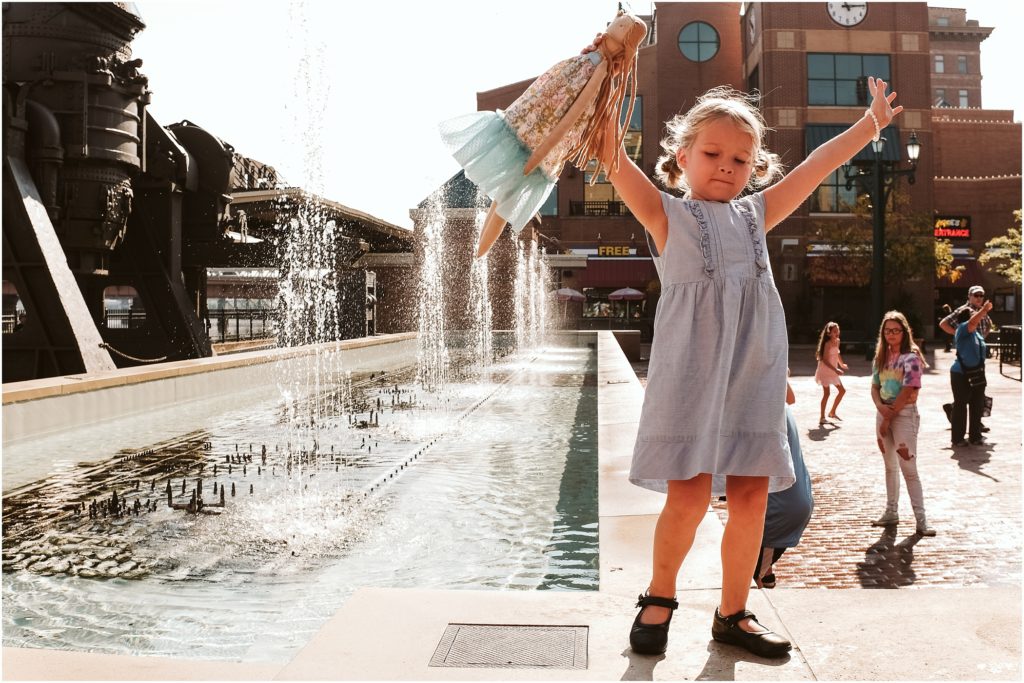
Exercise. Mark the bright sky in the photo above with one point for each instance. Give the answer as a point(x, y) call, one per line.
point(344, 98)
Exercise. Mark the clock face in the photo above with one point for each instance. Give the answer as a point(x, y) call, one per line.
point(847, 13)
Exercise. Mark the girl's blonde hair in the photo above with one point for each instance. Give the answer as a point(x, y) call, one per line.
point(829, 326)
point(718, 103)
point(907, 344)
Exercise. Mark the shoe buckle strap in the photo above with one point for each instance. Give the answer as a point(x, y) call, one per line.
point(734, 619)
point(653, 600)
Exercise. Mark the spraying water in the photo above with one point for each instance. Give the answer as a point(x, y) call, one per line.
point(432, 354)
point(308, 292)
point(542, 284)
point(520, 294)
point(481, 323)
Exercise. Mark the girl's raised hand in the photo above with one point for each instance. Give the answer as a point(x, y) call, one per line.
point(881, 104)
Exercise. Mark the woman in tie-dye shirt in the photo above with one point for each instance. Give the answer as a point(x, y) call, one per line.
point(895, 383)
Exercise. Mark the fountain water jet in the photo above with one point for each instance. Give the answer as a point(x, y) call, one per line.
point(481, 318)
point(432, 358)
point(521, 296)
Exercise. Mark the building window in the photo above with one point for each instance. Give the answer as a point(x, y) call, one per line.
point(842, 79)
point(550, 205)
point(940, 64)
point(601, 199)
point(940, 97)
point(698, 41)
point(832, 195)
point(963, 98)
point(942, 21)
point(961, 64)
point(1005, 302)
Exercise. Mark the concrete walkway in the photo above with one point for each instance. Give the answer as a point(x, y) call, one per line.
point(941, 632)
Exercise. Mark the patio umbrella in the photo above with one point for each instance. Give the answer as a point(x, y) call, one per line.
point(627, 294)
point(567, 294)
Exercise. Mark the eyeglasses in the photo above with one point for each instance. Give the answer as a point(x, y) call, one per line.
point(892, 330)
point(978, 295)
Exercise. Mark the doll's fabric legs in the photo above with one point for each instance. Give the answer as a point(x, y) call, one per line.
point(493, 225)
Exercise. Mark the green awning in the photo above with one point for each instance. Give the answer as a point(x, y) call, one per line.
point(817, 134)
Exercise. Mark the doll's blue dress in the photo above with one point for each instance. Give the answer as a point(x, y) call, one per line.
point(494, 146)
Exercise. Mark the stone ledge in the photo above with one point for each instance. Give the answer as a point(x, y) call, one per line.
point(15, 392)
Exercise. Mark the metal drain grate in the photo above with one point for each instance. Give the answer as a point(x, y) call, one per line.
point(512, 647)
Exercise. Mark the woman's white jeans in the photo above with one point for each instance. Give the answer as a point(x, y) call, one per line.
point(902, 437)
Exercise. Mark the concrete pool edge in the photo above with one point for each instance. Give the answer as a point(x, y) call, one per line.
point(39, 407)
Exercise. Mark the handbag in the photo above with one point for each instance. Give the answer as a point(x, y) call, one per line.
point(975, 375)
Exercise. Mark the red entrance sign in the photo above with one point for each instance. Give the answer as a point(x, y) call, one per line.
point(952, 227)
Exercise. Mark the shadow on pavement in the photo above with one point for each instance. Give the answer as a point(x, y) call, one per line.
point(888, 564)
point(821, 432)
point(973, 458)
point(640, 667)
point(722, 659)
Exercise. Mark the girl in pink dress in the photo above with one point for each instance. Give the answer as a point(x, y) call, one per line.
point(830, 367)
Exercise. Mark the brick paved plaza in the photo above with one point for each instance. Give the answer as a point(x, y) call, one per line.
point(972, 494)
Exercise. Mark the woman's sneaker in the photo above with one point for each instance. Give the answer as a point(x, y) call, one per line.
point(888, 518)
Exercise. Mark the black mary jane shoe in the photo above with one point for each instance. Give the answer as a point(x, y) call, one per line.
point(651, 639)
point(764, 643)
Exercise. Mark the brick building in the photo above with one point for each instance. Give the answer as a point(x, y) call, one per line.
point(810, 61)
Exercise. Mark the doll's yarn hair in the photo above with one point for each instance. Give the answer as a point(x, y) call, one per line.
point(621, 77)
point(718, 103)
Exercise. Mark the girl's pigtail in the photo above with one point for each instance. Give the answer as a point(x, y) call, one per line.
point(767, 168)
point(668, 171)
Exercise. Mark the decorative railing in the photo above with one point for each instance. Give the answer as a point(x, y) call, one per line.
point(242, 324)
point(604, 208)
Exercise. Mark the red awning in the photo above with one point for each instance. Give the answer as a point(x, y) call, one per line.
point(618, 272)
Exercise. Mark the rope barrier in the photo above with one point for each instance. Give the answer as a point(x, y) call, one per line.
point(107, 346)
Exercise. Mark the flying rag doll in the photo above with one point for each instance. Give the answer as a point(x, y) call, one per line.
point(515, 156)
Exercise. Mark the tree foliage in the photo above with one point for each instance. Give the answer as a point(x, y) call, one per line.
point(1004, 252)
point(944, 268)
point(910, 250)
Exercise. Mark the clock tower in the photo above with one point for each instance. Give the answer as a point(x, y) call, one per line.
point(847, 13)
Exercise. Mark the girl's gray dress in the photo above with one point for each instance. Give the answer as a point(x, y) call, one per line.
point(716, 386)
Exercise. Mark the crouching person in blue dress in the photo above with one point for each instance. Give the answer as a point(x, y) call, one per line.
point(788, 511)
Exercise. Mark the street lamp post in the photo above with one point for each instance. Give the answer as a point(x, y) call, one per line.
point(878, 184)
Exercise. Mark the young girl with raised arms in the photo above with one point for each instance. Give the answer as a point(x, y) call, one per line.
point(830, 367)
point(712, 421)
